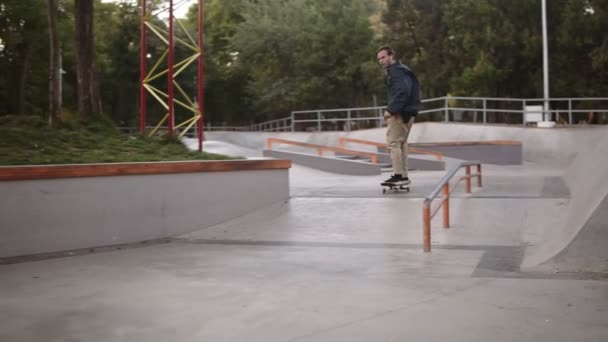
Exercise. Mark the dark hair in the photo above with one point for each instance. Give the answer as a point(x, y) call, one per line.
point(386, 48)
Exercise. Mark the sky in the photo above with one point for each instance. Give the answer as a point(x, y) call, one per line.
point(180, 10)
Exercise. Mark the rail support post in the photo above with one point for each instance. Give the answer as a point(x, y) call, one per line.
point(446, 206)
point(426, 227)
point(468, 179)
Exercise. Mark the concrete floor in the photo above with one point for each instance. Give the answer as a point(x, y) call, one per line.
point(337, 262)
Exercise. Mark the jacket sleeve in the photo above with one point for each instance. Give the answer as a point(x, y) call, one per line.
point(400, 86)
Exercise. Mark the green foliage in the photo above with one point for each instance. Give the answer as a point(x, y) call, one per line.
point(493, 48)
point(304, 53)
point(581, 33)
point(117, 40)
point(23, 56)
point(27, 140)
point(226, 100)
point(416, 30)
point(265, 58)
point(468, 47)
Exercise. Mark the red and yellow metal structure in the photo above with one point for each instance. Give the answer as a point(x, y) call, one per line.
point(168, 99)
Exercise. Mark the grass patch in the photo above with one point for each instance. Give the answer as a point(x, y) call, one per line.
point(26, 140)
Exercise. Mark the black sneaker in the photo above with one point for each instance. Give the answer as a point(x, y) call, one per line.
point(393, 180)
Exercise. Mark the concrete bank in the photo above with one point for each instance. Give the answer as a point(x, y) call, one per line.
point(45, 209)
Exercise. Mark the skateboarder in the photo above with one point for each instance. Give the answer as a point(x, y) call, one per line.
point(403, 106)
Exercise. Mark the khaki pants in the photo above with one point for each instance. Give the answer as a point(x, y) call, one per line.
point(396, 141)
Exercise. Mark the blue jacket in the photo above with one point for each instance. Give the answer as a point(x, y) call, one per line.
point(403, 91)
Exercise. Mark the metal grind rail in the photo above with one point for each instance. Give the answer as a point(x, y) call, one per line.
point(444, 187)
point(413, 150)
point(321, 148)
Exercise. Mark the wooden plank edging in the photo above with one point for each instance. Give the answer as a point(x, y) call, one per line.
point(29, 172)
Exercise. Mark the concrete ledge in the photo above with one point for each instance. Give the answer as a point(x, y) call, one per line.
point(419, 162)
point(487, 152)
point(70, 207)
point(142, 168)
point(335, 165)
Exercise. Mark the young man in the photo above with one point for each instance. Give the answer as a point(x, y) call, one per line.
point(403, 105)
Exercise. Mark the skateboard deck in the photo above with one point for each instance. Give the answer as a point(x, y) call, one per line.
point(396, 187)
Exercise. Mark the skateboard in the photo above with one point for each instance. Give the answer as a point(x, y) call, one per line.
point(396, 187)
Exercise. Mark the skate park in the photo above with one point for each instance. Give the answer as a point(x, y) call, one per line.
point(501, 236)
point(335, 259)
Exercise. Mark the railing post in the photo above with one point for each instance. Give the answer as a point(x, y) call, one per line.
point(269, 144)
point(348, 120)
point(446, 206)
point(479, 175)
point(570, 111)
point(426, 227)
point(447, 111)
point(293, 124)
point(523, 112)
point(319, 121)
point(468, 179)
point(485, 116)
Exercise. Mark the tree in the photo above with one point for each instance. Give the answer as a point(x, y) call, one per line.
point(417, 31)
point(304, 54)
point(226, 97)
point(89, 103)
point(579, 62)
point(117, 59)
point(54, 66)
point(497, 47)
point(22, 62)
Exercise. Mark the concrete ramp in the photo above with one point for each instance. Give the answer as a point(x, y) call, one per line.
point(328, 164)
point(580, 243)
point(588, 252)
point(575, 243)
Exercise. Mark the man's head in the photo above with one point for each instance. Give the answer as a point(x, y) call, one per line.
point(386, 56)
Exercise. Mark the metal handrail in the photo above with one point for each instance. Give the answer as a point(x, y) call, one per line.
point(320, 148)
point(442, 104)
point(412, 150)
point(445, 107)
point(444, 187)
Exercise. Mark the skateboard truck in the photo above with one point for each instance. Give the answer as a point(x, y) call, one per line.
point(397, 186)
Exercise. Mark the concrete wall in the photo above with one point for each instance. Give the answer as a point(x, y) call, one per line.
point(491, 153)
point(50, 215)
point(415, 162)
point(551, 146)
point(498, 154)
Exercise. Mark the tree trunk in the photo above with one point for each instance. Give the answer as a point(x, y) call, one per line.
point(88, 95)
point(54, 67)
point(22, 79)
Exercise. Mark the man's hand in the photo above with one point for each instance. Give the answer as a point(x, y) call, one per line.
point(387, 115)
